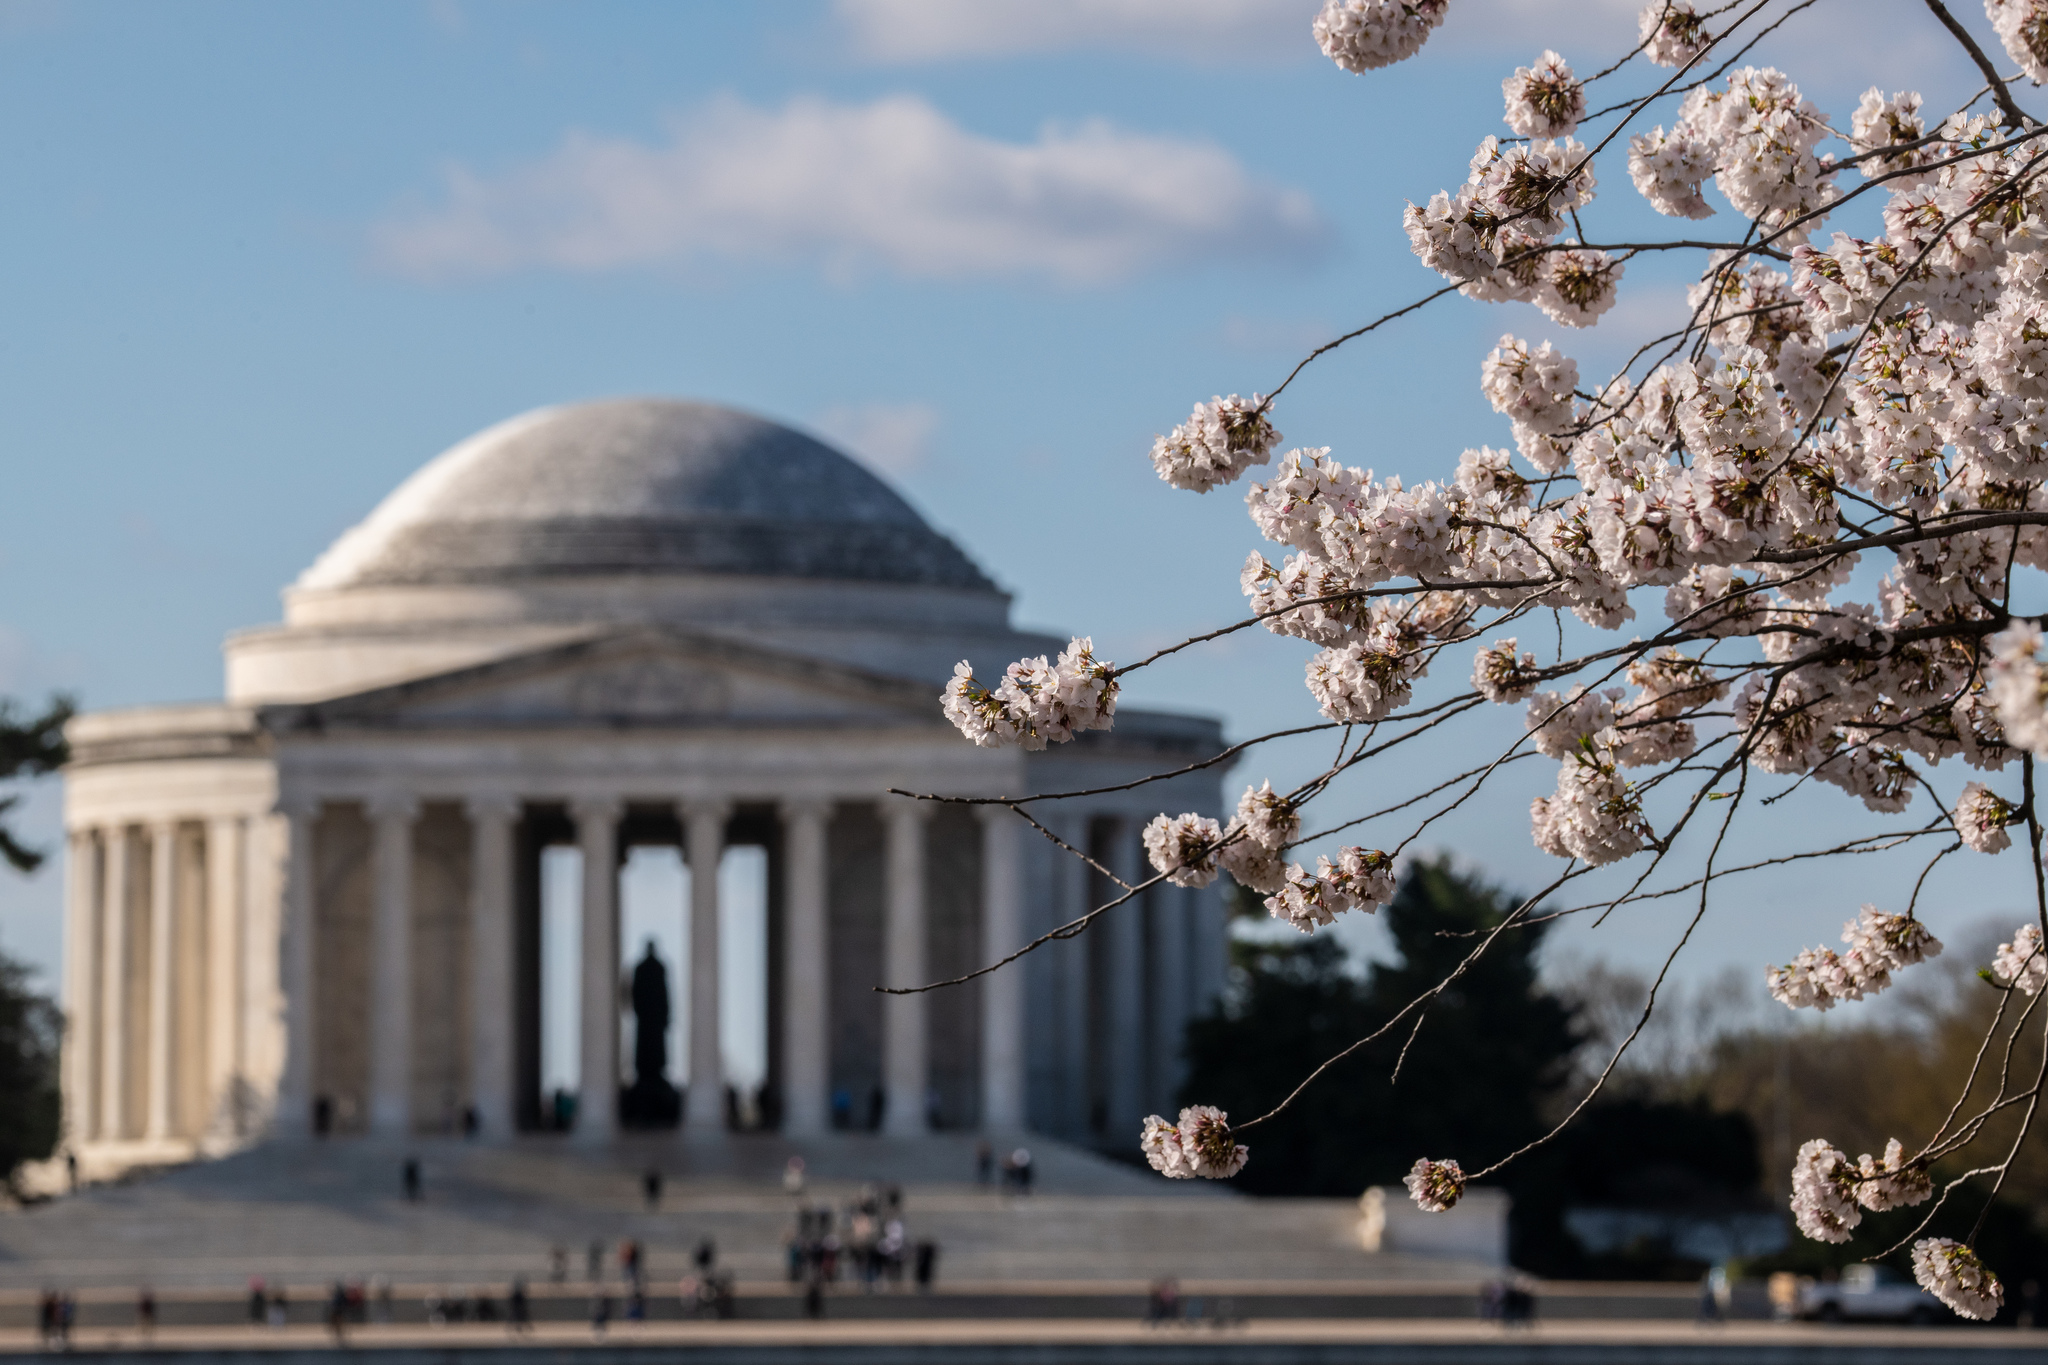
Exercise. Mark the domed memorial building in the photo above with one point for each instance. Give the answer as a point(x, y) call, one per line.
point(319, 904)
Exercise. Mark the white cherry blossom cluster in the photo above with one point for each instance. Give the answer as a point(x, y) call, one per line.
point(1830, 1192)
point(1956, 1275)
point(1360, 879)
point(2019, 686)
point(1491, 236)
point(2021, 963)
point(1668, 169)
point(1501, 675)
point(1869, 409)
point(1199, 1144)
point(1764, 134)
point(1037, 703)
point(1672, 32)
point(1220, 440)
point(1878, 945)
point(1435, 1186)
point(1183, 847)
point(2023, 27)
point(1544, 100)
point(1365, 35)
point(1981, 816)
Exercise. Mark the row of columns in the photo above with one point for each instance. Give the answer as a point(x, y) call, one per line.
point(806, 1040)
point(129, 933)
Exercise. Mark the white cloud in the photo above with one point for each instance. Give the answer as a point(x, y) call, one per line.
point(891, 438)
point(1215, 30)
point(894, 185)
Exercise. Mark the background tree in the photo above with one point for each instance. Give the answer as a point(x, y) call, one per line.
point(30, 1031)
point(30, 746)
point(31, 1027)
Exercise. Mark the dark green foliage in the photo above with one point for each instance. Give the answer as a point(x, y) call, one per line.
point(1481, 1078)
point(29, 747)
point(1489, 1053)
point(30, 1028)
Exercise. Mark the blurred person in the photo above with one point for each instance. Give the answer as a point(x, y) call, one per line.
point(984, 1162)
point(558, 1264)
point(518, 1312)
point(145, 1312)
point(259, 1301)
point(600, 1313)
point(410, 1179)
point(593, 1261)
point(337, 1312)
point(793, 1177)
point(650, 1189)
point(927, 1265)
point(280, 1310)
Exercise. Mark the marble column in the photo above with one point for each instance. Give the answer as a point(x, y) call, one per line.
point(1071, 881)
point(226, 895)
point(491, 818)
point(391, 818)
point(1002, 991)
point(704, 845)
point(597, 1097)
point(806, 994)
point(905, 1051)
point(1167, 933)
point(297, 983)
point(81, 987)
point(114, 907)
point(1123, 934)
point(1208, 948)
point(160, 1120)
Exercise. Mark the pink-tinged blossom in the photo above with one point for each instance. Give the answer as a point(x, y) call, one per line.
point(1824, 1193)
point(1891, 1182)
point(1254, 866)
point(1672, 32)
point(2023, 27)
point(1365, 35)
point(1953, 1273)
point(1037, 703)
point(1501, 675)
point(2018, 687)
point(976, 710)
point(1206, 1141)
point(1183, 847)
point(1981, 816)
point(1881, 123)
point(1361, 682)
point(1561, 725)
point(1219, 441)
point(1578, 285)
point(1435, 1186)
point(1878, 944)
point(1360, 879)
point(1668, 169)
point(1267, 817)
point(1544, 100)
point(1160, 1142)
point(1595, 814)
point(1764, 133)
point(1531, 388)
point(2021, 964)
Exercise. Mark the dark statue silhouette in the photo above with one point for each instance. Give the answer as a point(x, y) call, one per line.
point(650, 1102)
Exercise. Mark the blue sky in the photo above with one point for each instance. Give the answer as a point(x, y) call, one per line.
point(267, 259)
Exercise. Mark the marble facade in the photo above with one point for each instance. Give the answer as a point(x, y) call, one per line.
point(612, 625)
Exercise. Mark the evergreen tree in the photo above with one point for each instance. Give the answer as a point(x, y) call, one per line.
point(30, 1029)
point(30, 746)
point(1490, 1051)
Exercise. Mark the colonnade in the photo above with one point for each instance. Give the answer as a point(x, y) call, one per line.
point(195, 970)
point(804, 1063)
point(170, 992)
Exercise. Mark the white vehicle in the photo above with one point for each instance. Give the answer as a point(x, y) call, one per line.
point(1870, 1293)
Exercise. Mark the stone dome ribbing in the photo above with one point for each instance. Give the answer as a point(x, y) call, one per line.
point(641, 486)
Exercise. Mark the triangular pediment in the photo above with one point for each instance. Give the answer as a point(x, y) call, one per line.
point(647, 677)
